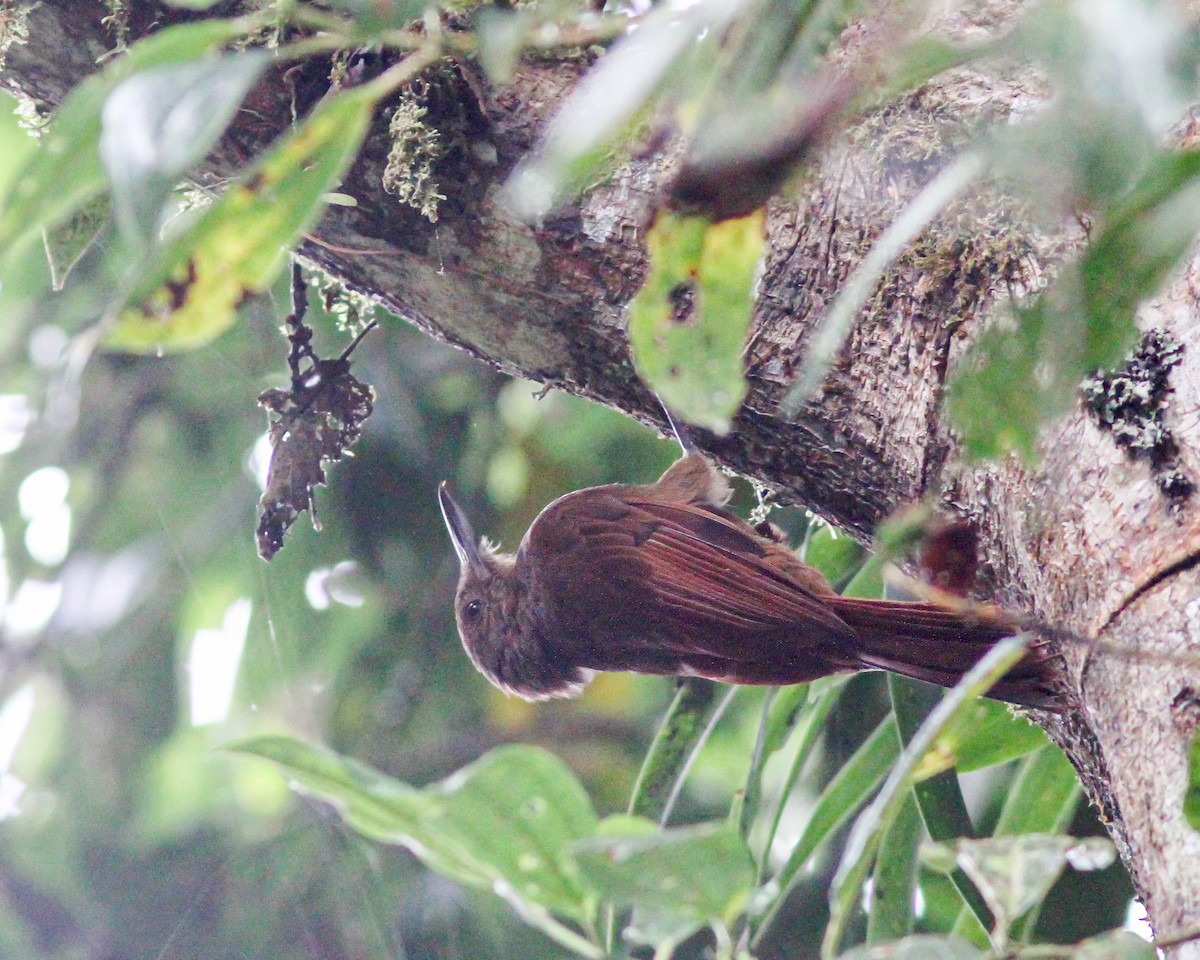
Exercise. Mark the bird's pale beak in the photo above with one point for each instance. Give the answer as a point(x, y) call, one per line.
point(459, 528)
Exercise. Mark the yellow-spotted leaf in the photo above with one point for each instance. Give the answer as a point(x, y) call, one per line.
point(687, 325)
point(235, 248)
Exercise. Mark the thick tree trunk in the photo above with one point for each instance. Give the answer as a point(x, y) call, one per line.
point(1086, 540)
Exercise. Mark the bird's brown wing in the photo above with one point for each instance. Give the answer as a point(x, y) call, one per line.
point(690, 587)
point(638, 584)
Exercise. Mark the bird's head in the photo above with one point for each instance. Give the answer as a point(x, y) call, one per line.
point(494, 614)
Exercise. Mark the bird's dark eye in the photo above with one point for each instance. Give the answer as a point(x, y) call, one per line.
point(473, 609)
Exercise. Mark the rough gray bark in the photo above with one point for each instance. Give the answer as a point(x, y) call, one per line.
point(1085, 540)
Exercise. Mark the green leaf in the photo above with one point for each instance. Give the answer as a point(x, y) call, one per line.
point(846, 793)
point(504, 823)
point(160, 122)
point(795, 713)
point(682, 733)
point(65, 173)
point(67, 242)
point(1014, 873)
point(375, 16)
point(1016, 380)
point(787, 710)
point(894, 880)
point(868, 581)
point(1121, 77)
point(1114, 945)
point(237, 246)
point(679, 879)
point(501, 36)
point(747, 802)
point(1043, 796)
point(939, 797)
point(987, 734)
point(924, 947)
point(834, 553)
point(1191, 798)
point(688, 323)
point(863, 843)
point(1042, 799)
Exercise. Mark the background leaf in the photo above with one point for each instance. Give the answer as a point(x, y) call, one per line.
point(671, 46)
point(923, 947)
point(66, 173)
point(160, 122)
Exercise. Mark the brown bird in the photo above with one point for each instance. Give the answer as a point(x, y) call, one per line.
point(662, 579)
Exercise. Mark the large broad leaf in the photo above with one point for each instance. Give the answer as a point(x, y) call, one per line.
point(679, 880)
point(688, 323)
point(160, 122)
point(236, 247)
point(504, 823)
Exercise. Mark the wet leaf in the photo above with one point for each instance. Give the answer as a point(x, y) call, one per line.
point(312, 424)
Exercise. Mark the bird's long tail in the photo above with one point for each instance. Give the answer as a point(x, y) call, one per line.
point(928, 641)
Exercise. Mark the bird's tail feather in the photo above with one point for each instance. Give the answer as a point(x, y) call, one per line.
point(928, 641)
